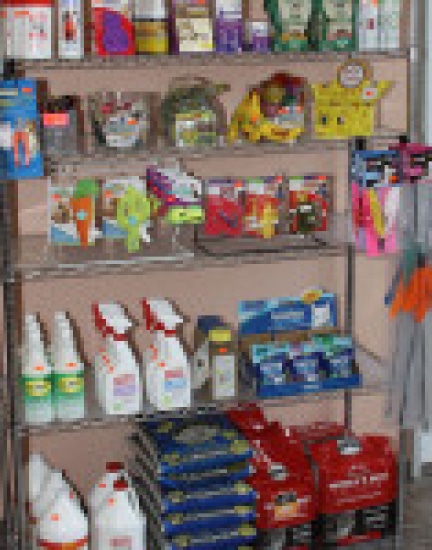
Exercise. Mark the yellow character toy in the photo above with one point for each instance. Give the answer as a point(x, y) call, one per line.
point(345, 107)
point(272, 111)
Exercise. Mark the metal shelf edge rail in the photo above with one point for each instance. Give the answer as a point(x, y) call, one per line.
point(208, 58)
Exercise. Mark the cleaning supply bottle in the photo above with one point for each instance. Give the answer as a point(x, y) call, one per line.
point(64, 524)
point(53, 485)
point(151, 24)
point(68, 372)
point(105, 486)
point(36, 375)
point(118, 379)
point(119, 522)
point(38, 473)
point(168, 372)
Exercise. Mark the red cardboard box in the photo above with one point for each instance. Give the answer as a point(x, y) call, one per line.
point(357, 489)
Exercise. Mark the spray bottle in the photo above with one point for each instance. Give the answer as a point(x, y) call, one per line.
point(68, 372)
point(168, 372)
point(118, 380)
point(119, 521)
point(36, 375)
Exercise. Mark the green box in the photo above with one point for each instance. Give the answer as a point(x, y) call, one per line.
point(333, 25)
point(290, 24)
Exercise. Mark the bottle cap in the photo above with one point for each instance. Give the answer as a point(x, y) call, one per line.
point(151, 9)
point(121, 485)
point(114, 466)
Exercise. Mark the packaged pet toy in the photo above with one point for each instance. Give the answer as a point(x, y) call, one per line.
point(416, 160)
point(223, 208)
point(261, 216)
point(178, 194)
point(308, 203)
point(271, 111)
point(191, 114)
point(345, 107)
point(376, 193)
point(126, 211)
point(72, 213)
point(120, 120)
point(20, 155)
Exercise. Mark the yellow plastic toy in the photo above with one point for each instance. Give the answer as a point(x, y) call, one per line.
point(272, 111)
point(345, 107)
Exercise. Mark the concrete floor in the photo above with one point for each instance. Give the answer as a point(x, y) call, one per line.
point(418, 515)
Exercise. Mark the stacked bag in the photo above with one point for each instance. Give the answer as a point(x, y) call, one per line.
point(190, 475)
point(318, 486)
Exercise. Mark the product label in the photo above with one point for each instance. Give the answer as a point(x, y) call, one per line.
point(81, 544)
point(125, 543)
point(224, 373)
point(174, 380)
point(124, 385)
point(36, 388)
point(285, 506)
point(55, 119)
point(6, 136)
point(69, 384)
point(151, 36)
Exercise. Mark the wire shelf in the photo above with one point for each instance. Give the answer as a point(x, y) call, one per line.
point(105, 162)
point(371, 367)
point(38, 260)
point(205, 59)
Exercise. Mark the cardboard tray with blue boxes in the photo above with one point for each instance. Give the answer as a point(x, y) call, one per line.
point(293, 345)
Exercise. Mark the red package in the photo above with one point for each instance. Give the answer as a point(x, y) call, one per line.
point(224, 209)
point(261, 215)
point(308, 203)
point(357, 489)
point(286, 511)
point(248, 417)
point(318, 431)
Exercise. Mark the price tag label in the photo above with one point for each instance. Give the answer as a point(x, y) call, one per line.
point(6, 136)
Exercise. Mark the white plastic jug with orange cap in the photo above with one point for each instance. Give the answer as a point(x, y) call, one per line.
point(119, 522)
point(64, 524)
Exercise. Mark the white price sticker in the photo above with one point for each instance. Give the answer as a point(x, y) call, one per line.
point(6, 136)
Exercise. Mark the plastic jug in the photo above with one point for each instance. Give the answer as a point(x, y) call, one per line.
point(64, 524)
point(120, 523)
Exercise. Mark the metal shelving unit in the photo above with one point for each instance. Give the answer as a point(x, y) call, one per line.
point(30, 258)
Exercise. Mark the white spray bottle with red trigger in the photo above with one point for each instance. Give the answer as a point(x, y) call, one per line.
point(168, 372)
point(117, 372)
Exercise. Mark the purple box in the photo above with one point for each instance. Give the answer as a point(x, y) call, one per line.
point(258, 37)
point(229, 33)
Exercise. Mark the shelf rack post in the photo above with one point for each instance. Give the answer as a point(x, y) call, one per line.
point(14, 483)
